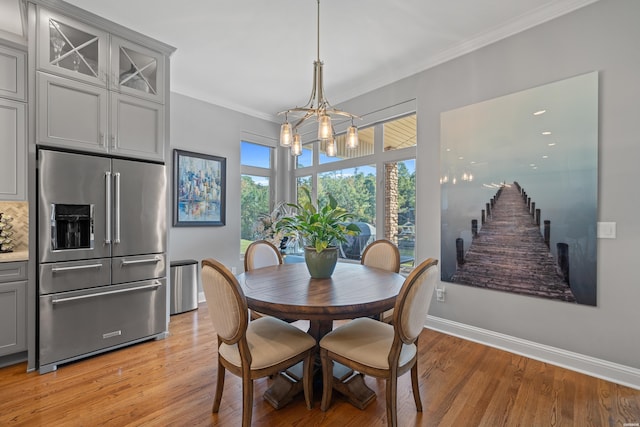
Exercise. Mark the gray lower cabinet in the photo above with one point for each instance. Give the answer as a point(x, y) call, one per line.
point(13, 307)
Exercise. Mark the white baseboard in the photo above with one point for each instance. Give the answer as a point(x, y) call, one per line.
point(614, 372)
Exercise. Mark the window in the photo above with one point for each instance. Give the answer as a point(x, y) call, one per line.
point(303, 181)
point(364, 148)
point(354, 189)
point(384, 158)
point(255, 190)
point(306, 158)
point(255, 155)
point(400, 133)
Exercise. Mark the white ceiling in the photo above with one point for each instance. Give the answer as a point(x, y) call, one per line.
point(256, 56)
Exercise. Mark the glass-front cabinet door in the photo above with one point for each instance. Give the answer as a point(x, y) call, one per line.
point(72, 48)
point(137, 70)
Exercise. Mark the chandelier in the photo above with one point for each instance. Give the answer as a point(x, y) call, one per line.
point(320, 108)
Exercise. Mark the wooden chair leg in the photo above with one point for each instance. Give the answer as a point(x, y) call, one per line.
point(416, 387)
point(307, 379)
point(392, 399)
point(247, 400)
point(327, 379)
point(219, 387)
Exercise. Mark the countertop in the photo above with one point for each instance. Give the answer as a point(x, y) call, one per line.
point(14, 256)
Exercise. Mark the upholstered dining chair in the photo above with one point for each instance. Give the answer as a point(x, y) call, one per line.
point(382, 350)
point(383, 254)
point(255, 349)
point(261, 253)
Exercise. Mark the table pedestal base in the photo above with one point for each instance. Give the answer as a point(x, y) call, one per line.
point(284, 388)
point(289, 383)
point(351, 384)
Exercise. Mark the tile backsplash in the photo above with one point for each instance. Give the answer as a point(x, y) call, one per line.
point(20, 213)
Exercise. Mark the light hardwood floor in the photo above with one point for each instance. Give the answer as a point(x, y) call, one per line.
point(171, 383)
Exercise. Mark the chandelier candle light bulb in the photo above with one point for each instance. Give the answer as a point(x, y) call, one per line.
point(296, 146)
point(325, 130)
point(285, 134)
point(332, 149)
point(352, 136)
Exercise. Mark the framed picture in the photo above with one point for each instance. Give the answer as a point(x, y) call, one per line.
point(199, 184)
point(519, 192)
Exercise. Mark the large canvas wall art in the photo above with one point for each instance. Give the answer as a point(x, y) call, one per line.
point(519, 178)
point(198, 189)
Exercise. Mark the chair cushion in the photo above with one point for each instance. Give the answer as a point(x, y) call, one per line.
point(270, 341)
point(366, 341)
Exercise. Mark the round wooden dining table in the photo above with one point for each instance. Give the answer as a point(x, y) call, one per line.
point(287, 291)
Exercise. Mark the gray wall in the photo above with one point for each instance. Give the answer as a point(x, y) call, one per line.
point(204, 128)
point(601, 37)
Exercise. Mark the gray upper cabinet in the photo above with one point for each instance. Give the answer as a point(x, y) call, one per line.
point(137, 127)
point(13, 124)
point(76, 115)
point(137, 70)
point(97, 91)
point(73, 49)
point(12, 74)
point(70, 48)
point(13, 146)
point(72, 114)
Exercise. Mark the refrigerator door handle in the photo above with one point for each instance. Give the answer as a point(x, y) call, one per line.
point(116, 238)
point(107, 175)
point(142, 261)
point(77, 267)
point(154, 286)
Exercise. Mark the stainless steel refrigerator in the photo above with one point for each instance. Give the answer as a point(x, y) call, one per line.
point(102, 254)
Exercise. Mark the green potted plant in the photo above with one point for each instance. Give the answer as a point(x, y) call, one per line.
point(320, 229)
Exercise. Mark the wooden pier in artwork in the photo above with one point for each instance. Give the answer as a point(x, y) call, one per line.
point(509, 253)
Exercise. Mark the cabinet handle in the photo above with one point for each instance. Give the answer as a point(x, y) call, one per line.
point(101, 139)
point(77, 267)
point(114, 144)
point(154, 286)
point(142, 261)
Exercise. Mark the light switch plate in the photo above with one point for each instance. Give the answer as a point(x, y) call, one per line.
point(606, 230)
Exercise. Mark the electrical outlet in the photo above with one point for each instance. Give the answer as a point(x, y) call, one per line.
point(606, 230)
point(440, 294)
